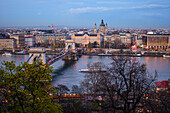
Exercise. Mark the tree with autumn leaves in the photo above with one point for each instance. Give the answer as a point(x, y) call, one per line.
point(27, 88)
point(123, 84)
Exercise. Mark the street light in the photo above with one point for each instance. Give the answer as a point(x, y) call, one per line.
point(100, 99)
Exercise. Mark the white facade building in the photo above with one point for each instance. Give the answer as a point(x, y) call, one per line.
point(30, 41)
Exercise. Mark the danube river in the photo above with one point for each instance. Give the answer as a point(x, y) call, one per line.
point(67, 73)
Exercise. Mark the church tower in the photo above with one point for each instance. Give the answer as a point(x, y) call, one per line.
point(95, 28)
point(102, 27)
point(106, 29)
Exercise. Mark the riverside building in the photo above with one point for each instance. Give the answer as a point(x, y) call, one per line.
point(20, 40)
point(85, 38)
point(49, 38)
point(8, 43)
point(156, 41)
point(30, 41)
point(124, 38)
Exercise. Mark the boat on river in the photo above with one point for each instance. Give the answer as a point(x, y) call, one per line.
point(7, 54)
point(166, 56)
point(92, 70)
point(104, 54)
point(107, 53)
point(21, 52)
point(137, 55)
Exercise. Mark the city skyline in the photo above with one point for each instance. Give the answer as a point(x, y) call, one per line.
point(85, 13)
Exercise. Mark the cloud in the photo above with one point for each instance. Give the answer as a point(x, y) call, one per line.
point(42, 2)
point(39, 13)
point(151, 6)
point(93, 9)
point(151, 14)
point(112, 2)
point(76, 3)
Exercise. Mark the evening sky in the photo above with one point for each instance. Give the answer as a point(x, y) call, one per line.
point(85, 13)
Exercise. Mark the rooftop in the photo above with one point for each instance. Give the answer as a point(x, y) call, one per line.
point(122, 34)
point(52, 35)
point(7, 38)
point(162, 84)
point(86, 33)
point(158, 34)
point(102, 23)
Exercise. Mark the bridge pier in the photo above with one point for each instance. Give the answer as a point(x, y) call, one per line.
point(70, 46)
point(37, 53)
point(72, 57)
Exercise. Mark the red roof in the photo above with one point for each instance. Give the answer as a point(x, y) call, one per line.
point(162, 84)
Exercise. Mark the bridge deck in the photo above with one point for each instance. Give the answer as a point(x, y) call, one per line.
point(50, 60)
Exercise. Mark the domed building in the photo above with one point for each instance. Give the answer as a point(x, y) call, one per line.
point(102, 28)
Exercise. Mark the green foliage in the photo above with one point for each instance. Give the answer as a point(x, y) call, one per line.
point(94, 106)
point(90, 45)
point(102, 45)
point(26, 88)
point(75, 106)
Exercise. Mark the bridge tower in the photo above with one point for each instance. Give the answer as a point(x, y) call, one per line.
point(70, 44)
point(37, 53)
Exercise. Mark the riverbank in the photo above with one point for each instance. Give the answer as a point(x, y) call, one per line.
point(130, 54)
point(111, 53)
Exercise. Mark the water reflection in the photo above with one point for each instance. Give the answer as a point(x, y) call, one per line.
point(162, 65)
point(67, 73)
point(64, 67)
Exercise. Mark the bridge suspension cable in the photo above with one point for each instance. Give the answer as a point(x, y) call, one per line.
point(29, 58)
point(58, 56)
